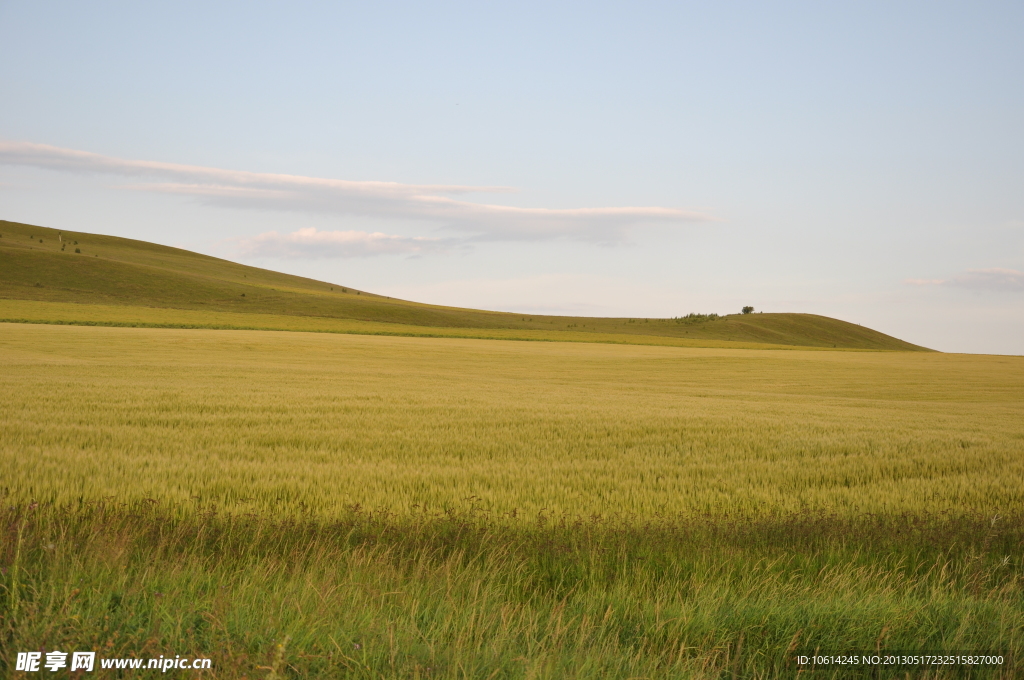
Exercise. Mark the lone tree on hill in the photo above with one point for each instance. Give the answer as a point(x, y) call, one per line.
point(748, 309)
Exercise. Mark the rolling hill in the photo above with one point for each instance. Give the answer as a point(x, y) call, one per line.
point(49, 276)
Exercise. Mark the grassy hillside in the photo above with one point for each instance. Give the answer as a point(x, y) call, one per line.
point(41, 264)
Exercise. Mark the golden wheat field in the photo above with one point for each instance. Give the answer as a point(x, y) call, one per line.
point(256, 420)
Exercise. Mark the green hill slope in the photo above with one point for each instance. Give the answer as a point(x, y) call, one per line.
point(114, 276)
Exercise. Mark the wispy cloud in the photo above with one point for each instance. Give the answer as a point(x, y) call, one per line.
point(980, 279)
point(427, 202)
point(310, 243)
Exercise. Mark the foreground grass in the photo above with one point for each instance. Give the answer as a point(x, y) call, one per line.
point(461, 595)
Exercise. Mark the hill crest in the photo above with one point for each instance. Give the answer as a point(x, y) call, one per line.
point(120, 275)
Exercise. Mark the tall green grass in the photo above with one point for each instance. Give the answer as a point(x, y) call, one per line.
point(461, 595)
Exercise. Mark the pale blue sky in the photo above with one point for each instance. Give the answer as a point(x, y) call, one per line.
point(859, 160)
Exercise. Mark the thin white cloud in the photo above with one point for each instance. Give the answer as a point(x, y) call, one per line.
point(57, 158)
point(310, 243)
point(239, 189)
point(980, 279)
point(991, 279)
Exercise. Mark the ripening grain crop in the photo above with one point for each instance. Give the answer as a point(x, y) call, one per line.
point(312, 505)
point(285, 421)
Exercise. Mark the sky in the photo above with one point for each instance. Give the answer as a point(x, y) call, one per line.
point(863, 160)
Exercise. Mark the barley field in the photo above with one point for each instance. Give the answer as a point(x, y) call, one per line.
point(289, 420)
point(322, 505)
